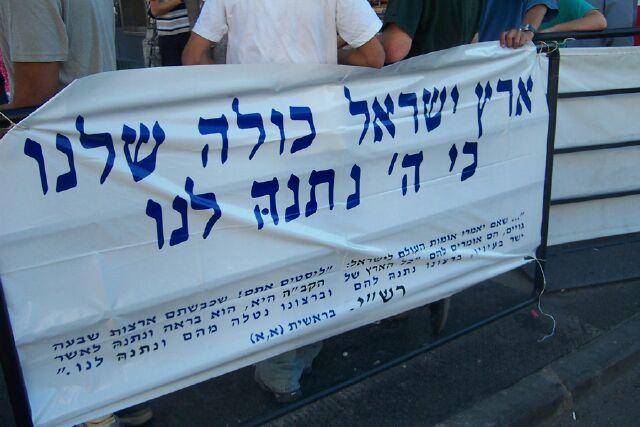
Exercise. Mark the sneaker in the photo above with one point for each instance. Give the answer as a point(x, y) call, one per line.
point(280, 397)
point(135, 415)
point(106, 421)
point(439, 315)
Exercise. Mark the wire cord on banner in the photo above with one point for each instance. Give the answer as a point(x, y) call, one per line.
point(544, 288)
point(11, 123)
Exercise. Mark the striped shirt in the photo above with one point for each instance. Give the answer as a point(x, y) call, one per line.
point(174, 22)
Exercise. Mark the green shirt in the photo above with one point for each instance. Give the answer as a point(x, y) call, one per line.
point(568, 10)
point(435, 24)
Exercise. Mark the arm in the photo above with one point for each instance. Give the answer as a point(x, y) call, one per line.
point(160, 8)
point(515, 38)
point(396, 43)
point(34, 83)
point(370, 54)
point(197, 51)
point(592, 21)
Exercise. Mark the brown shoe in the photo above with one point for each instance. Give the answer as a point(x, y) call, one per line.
point(439, 315)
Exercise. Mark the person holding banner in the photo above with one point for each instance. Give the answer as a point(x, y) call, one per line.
point(514, 22)
point(262, 32)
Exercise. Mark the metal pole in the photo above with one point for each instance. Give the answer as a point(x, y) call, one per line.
point(552, 102)
point(585, 35)
point(11, 368)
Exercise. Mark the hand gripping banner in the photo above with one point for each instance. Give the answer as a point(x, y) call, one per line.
point(161, 227)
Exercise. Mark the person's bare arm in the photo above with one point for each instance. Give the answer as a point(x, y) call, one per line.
point(396, 43)
point(370, 54)
point(592, 21)
point(34, 83)
point(515, 38)
point(197, 51)
point(159, 8)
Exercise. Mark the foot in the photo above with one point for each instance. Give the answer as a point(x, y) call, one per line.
point(280, 397)
point(135, 415)
point(106, 421)
point(439, 315)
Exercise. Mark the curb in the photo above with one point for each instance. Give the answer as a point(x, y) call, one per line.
point(555, 387)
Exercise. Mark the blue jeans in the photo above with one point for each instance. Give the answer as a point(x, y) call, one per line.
point(282, 373)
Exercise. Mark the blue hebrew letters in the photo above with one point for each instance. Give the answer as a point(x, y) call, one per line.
point(303, 114)
point(410, 100)
point(292, 212)
point(507, 86)
point(469, 148)
point(277, 118)
point(204, 155)
point(215, 126)
point(203, 202)
point(392, 164)
point(353, 200)
point(97, 140)
point(468, 171)
point(455, 96)
point(266, 188)
point(154, 210)
point(484, 95)
point(433, 120)
point(382, 115)
point(453, 156)
point(250, 121)
point(523, 95)
point(140, 169)
point(69, 179)
point(412, 160)
point(408, 161)
point(181, 234)
point(65, 181)
point(34, 150)
point(316, 178)
point(357, 108)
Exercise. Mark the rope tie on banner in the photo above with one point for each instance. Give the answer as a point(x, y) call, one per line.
point(549, 47)
point(11, 122)
point(544, 288)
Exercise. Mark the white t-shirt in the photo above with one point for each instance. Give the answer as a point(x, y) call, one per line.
point(287, 31)
point(80, 34)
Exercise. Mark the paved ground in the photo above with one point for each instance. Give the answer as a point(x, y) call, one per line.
point(615, 404)
point(433, 387)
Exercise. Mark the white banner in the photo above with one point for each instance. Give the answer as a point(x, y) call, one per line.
point(593, 121)
point(164, 226)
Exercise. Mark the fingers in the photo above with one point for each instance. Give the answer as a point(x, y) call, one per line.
point(519, 40)
point(508, 38)
point(515, 38)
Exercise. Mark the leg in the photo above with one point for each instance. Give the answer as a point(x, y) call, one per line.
point(281, 374)
point(170, 50)
point(308, 353)
point(439, 314)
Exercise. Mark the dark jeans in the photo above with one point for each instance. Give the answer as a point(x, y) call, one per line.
point(3, 94)
point(171, 48)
